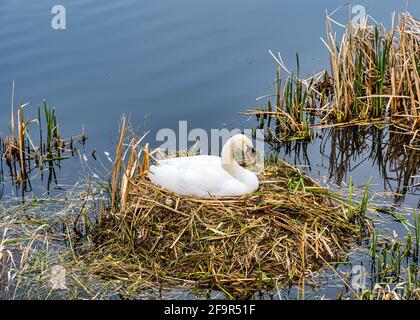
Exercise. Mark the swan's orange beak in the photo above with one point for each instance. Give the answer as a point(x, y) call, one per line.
point(250, 156)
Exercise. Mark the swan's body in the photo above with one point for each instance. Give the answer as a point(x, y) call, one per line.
point(204, 175)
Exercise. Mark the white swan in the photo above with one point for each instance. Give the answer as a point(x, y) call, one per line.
point(205, 175)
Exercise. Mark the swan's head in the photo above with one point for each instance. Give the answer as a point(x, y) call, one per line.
point(239, 144)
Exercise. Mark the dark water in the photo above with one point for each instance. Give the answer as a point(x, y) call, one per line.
point(172, 60)
point(200, 61)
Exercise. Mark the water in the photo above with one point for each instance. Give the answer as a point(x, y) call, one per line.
point(168, 61)
point(172, 60)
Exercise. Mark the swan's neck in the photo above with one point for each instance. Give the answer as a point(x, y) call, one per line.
point(230, 164)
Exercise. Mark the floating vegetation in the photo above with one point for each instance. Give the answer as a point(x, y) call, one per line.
point(395, 270)
point(37, 255)
point(151, 237)
point(26, 152)
point(373, 76)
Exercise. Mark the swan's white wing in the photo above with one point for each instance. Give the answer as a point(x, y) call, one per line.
point(192, 162)
point(198, 175)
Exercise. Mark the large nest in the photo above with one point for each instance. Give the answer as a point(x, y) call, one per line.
point(281, 233)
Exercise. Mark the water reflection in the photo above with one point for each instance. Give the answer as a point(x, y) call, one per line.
point(380, 151)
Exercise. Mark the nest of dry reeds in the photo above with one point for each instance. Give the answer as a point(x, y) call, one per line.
point(281, 233)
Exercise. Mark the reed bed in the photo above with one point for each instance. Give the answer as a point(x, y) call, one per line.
point(150, 237)
point(373, 76)
point(24, 152)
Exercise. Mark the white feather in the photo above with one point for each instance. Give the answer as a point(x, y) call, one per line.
point(204, 175)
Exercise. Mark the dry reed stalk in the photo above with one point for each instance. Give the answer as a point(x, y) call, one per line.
point(117, 164)
point(127, 176)
point(146, 160)
point(21, 143)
